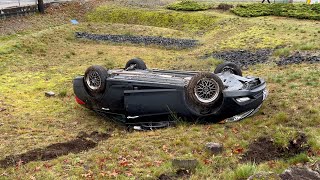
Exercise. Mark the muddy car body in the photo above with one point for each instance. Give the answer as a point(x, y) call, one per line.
point(136, 92)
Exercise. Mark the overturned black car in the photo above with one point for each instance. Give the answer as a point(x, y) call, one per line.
point(136, 93)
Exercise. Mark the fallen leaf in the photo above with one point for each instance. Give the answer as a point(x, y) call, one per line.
point(235, 130)
point(114, 173)
point(129, 174)
point(237, 150)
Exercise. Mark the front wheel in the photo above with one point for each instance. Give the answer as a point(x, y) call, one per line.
point(95, 79)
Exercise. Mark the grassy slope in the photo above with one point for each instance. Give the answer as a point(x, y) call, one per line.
point(44, 60)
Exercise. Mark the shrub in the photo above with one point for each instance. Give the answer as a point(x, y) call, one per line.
point(188, 5)
point(300, 11)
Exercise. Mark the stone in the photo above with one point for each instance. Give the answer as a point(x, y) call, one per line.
point(297, 173)
point(189, 164)
point(214, 148)
point(50, 94)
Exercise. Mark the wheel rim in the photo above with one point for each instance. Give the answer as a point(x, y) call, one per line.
point(206, 90)
point(93, 80)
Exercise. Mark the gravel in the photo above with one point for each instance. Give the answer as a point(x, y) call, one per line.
point(244, 58)
point(146, 40)
point(299, 57)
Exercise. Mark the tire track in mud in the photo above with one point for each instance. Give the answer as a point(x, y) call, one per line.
point(82, 142)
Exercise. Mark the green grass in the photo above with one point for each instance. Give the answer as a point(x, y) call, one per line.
point(188, 5)
point(300, 11)
point(159, 18)
point(48, 58)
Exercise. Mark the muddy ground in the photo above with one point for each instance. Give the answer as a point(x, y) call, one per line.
point(82, 142)
point(264, 149)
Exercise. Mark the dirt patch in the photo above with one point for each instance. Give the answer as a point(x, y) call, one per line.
point(244, 58)
point(298, 58)
point(83, 142)
point(264, 149)
point(180, 174)
point(224, 7)
point(145, 40)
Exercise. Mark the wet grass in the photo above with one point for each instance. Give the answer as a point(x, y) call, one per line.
point(48, 59)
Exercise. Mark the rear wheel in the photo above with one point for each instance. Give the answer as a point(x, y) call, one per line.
point(135, 63)
point(95, 79)
point(228, 67)
point(204, 90)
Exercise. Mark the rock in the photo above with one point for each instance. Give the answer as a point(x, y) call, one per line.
point(50, 94)
point(299, 57)
point(244, 58)
point(146, 40)
point(316, 166)
point(300, 173)
point(264, 176)
point(214, 148)
point(185, 164)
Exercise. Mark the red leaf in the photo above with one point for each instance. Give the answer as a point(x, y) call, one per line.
point(237, 150)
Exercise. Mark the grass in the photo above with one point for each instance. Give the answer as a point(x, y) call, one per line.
point(158, 18)
point(187, 5)
point(300, 11)
point(36, 60)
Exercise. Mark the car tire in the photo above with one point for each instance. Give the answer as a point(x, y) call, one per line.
point(204, 90)
point(140, 64)
point(228, 66)
point(95, 79)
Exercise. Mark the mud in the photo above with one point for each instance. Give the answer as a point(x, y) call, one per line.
point(244, 58)
point(146, 40)
point(264, 149)
point(83, 142)
point(298, 58)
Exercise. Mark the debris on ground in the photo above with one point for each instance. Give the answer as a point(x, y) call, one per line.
point(214, 148)
point(2, 109)
point(50, 94)
point(264, 149)
point(244, 58)
point(146, 40)
point(298, 58)
point(83, 142)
